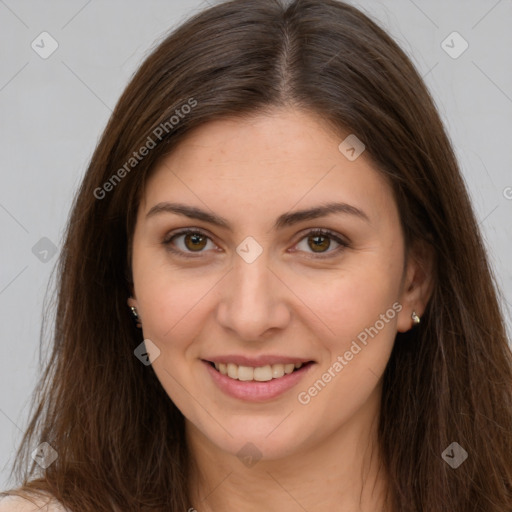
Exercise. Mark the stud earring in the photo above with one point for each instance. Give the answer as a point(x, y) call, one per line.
point(136, 316)
point(415, 318)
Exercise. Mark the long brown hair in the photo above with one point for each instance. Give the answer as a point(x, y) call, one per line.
point(119, 438)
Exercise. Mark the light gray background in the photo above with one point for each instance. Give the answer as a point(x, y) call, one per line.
point(53, 111)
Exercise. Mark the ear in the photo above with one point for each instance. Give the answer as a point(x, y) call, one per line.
point(131, 302)
point(417, 284)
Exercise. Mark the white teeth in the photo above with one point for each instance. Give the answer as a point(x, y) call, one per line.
point(263, 373)
point(277, 370)
point(245, 373)
point(260, 373)
point(288, 368)
point(233, 371)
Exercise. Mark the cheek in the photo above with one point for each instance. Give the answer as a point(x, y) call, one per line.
point(168, 310)
point(356, 318)
point(173, 317)
point(172, 305)
point(347, 301)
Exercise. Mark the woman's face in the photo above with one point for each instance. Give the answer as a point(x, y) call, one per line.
point(263, 290)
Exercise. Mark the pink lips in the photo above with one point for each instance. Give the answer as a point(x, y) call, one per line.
point(253, 391)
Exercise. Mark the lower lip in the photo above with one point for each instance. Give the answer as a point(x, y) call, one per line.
point(254, 391)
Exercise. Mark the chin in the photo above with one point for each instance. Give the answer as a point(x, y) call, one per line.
point(268, 440)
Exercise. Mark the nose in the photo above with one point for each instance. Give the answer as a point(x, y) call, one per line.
point(254, 300)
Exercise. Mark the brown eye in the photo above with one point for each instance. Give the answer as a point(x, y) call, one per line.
point(195, 241)
point(187, 242)
point(319, 243)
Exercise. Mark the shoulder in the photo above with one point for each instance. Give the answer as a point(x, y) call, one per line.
point(18, 504)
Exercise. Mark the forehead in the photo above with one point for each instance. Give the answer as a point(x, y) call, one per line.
point(282, 160)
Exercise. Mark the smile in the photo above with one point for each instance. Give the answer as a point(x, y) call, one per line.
point(256, 383)
point(259, 373)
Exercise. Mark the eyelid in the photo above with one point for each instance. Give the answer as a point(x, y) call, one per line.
point(341, 240)
point(184, 231)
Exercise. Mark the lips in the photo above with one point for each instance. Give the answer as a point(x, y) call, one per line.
point(253, 390)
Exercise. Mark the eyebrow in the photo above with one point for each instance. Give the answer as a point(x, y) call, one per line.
point(284, 220)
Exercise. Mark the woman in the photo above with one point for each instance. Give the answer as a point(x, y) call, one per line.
point(273, 276)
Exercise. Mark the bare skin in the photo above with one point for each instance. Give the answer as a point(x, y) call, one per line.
point(315, 451)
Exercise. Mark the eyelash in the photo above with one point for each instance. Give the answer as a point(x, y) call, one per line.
point(314, 232)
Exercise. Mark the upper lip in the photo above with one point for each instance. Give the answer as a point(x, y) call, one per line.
point(255, 362)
